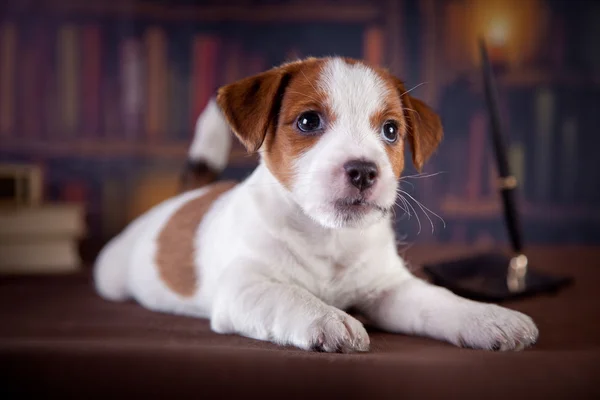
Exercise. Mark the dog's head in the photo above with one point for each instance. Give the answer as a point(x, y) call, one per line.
point(332, 131)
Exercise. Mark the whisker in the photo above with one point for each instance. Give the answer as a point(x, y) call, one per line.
point(416, 215)
point(425, 208)
point(422, 209)
point(413, 88)
point(422, 175)
point(400, 182)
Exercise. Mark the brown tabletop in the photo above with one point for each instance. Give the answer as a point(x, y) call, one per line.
point(58, 337)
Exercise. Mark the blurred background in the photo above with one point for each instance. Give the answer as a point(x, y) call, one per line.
point(102, 96)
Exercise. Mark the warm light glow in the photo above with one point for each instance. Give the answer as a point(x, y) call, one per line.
point(498, 32)
point(511, 28)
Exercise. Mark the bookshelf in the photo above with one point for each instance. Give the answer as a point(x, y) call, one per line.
point(491, 209)
point(96, 149)
point(294, 11)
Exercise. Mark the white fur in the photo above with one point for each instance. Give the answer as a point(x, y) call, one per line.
point(212, 138)
point(355, 93)
point(277, 265)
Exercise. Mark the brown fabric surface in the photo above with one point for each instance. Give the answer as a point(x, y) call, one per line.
point(58, 337)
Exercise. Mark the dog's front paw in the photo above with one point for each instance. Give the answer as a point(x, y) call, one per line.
point(492, 327)
point(336, 331)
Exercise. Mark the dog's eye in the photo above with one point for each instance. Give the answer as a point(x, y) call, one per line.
point(309, 121)
point(389, 131)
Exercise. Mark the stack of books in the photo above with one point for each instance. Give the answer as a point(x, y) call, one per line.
point(36, 237)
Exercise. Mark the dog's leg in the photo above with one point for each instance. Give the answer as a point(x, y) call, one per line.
point(286, 314)
point(414, 306)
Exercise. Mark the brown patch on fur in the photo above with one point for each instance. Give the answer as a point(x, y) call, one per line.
point(419, 123)
point(175, 251)
point(288, 143)
point(262, 111)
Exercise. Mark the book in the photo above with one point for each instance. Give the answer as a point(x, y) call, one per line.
point(232, 60)
point(91, 74)
point(47, 220)
point(544, 119)
point(156, 82)
point(203, 80)
point(27, 79)
point(55, 255)
point(373, 46)
point(569, 167)
point(178, 85)
point(69, 58)
point(132, 84)
point(112, 121)
point(476, 146)
point(21, 184)
point(8, 54)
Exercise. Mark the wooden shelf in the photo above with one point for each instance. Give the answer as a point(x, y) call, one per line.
point(278, 13)
point(490, 209)
point(99, 149)
point(527, 78)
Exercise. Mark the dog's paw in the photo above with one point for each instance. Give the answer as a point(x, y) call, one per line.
point(336, 331)
point(496, 328)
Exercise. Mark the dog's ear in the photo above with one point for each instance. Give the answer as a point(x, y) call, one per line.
point(424, 127)
point(251, 105)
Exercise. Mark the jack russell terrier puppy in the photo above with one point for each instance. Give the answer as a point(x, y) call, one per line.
point(308, 234)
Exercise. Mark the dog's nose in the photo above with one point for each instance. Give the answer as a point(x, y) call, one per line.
point(361, 174)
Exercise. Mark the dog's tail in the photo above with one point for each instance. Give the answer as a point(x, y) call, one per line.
point(210, 148)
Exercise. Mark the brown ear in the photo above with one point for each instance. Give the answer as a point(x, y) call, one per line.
point(251, 105)
point(424, 128)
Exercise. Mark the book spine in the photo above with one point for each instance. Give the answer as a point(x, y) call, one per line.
point(477, 130)
point(68, 78)
point(569, 168)
point(516, 160)
point(91, 51)
point(232, 62)
point(131, 73)
point(27, 80)
point(373, 46)
point(8, 54)
point(545, 108)
point(112, 122)
point(156, 50)
point(205, 53)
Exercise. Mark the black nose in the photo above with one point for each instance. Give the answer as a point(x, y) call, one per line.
point(361, 174)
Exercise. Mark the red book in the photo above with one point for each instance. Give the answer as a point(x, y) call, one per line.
point(204, 73)
point(477, 129)
point(91, 66)
point(74, 192)
point(373, 46)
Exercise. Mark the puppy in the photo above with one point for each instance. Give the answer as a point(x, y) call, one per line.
point(308, 234)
